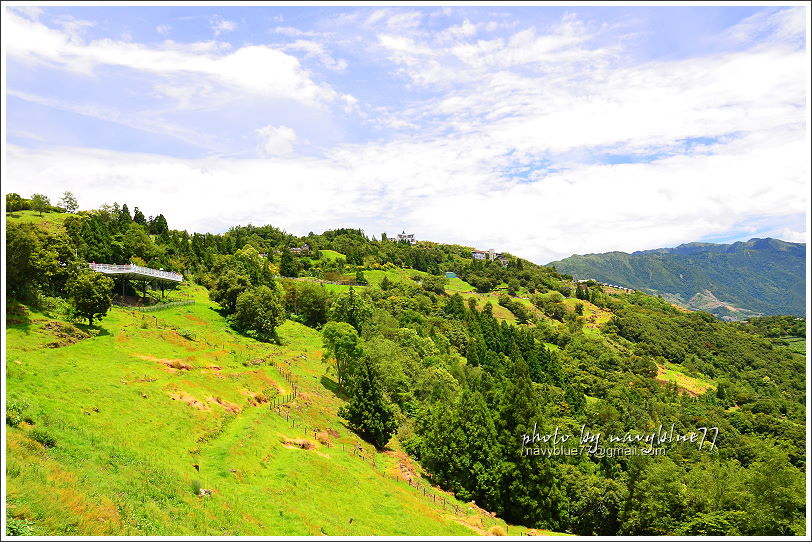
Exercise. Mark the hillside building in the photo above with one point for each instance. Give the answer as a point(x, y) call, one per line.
point(408, 237)
point(303, 250)
point(489, 255)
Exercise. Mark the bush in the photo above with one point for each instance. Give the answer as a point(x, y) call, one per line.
point(196, 485)
point(18, 526)
point(15, 413)
point(43, 437)
point(187, 334)
point(55, 307)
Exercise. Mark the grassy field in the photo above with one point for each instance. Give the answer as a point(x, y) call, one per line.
point(594, 316)
point(146, 409)
point(457, 285)
point(375, 276)
point(331, 255)
point(693, 385)
point(52, 222)
point(796, 344)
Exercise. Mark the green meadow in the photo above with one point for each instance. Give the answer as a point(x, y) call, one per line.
point(146, 409)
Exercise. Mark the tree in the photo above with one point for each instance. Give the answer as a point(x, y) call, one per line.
point(368, 412)
point(69, 202)
point(227, 289)
point(248, 261)
point(21, 244)
point(124, 219)
point(90, 294)
point(776, 500)
point(386, 284)
point(14, 202)
point(260, 310)
point(434, 284)
point(139, 218)
point(40, 203)
point(351, 308)
point(359, 277)
point(313, 302)
point(341, 343)
point(656, 499)
point(137, 243)
point(158, 225)
point(287, 265)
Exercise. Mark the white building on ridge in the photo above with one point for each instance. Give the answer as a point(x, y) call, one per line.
point(403, 236)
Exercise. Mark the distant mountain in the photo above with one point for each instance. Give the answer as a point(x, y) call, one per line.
point(736, 281)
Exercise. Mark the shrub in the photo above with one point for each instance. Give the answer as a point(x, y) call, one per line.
point(15, 413)
point(187, 334)
point(43, 437)
point(18, 526)
point(196, 485)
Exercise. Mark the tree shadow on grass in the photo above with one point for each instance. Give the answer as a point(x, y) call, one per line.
point(220, 312)
point(19, 321)
point(93, 331)
point(332, 385)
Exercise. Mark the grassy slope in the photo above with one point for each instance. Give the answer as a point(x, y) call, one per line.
point(331, 255)
point(52, 222)
point(123, 463)
point(695, 385)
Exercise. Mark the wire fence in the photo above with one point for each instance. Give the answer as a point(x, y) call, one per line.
point(357, 450)
point(158, 323)
point(158, 307)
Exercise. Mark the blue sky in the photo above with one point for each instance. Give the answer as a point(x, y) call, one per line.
point(539, 130)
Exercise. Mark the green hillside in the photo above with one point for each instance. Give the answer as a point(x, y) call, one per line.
point(132, 407)
point(764, 276)
point(368, 394)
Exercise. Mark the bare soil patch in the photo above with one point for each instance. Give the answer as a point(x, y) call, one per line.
point(184, 397)
point(65, 334)
point(231, 407)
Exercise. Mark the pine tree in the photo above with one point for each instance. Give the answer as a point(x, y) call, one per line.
point(138, 217)
point(368, 412)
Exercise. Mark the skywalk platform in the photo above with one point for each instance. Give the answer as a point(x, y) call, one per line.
point(136, 272)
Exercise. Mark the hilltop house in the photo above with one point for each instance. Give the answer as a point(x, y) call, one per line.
point(302, 250)
point(489, 255)
point(409, 237)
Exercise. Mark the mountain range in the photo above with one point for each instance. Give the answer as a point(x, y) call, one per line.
point(733, 281)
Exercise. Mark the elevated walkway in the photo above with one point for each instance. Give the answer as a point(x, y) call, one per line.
point(136, 272)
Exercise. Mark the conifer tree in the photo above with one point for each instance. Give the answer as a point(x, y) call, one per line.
point(368, 412)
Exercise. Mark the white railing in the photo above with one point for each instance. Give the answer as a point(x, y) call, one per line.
point(135, 269)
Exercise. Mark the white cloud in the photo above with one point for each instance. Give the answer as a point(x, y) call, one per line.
point(257, 69)
point(465, 29)
point(448, 190)
point(507, 151)
point(219, 26)
point(139, 120)
point(293, 32)
point(276, 140)
point(313, 49)
point(163, 29)
point(769, 25)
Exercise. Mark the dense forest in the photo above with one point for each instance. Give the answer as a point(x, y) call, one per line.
point(459, 387)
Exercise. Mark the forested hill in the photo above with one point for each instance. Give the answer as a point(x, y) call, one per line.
point(736, 280)
point(339, 384)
